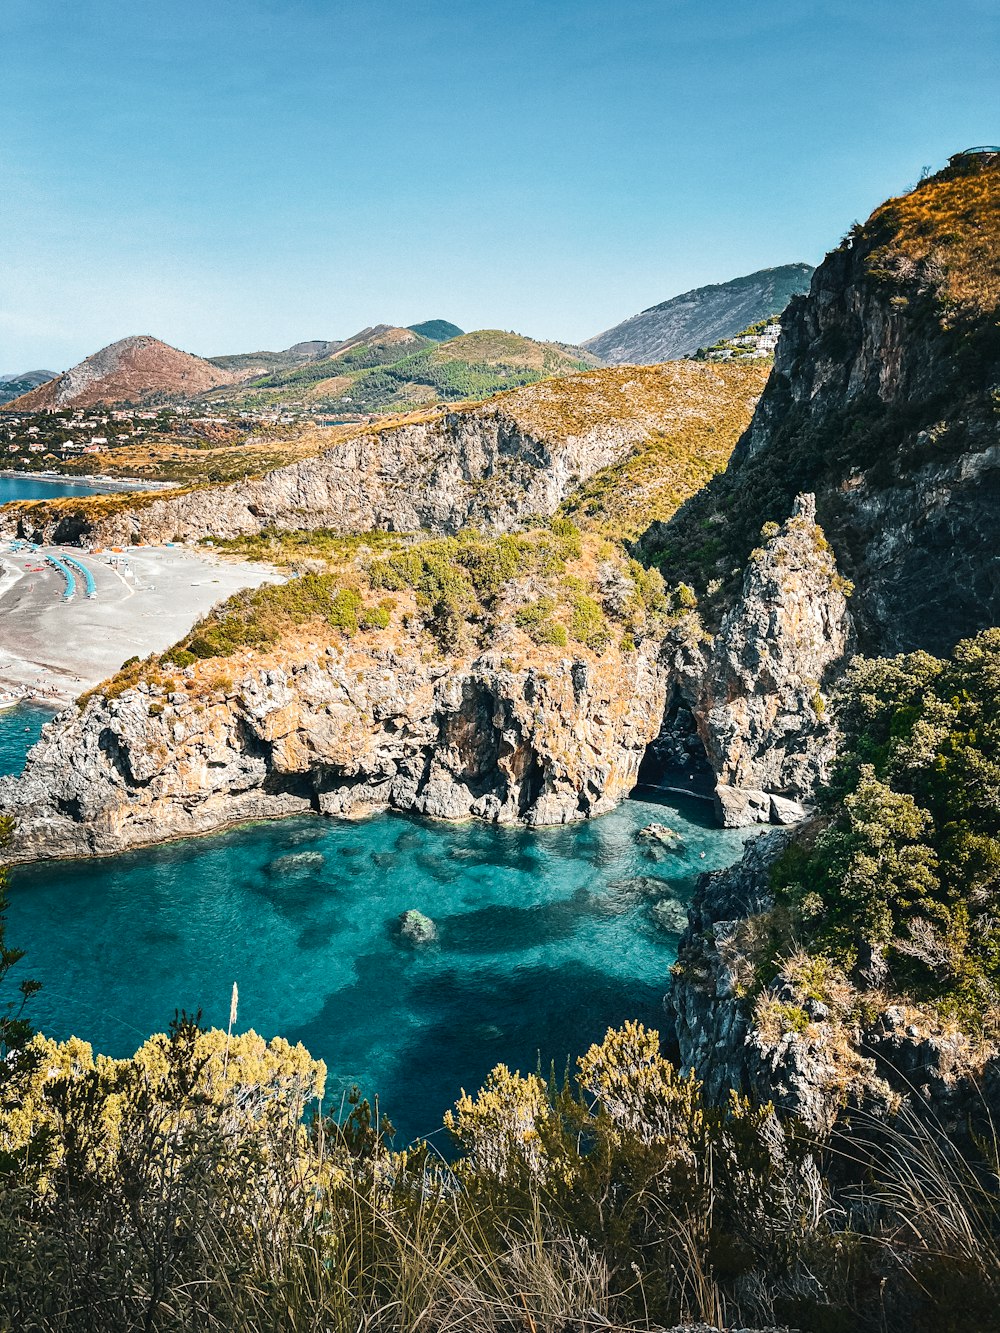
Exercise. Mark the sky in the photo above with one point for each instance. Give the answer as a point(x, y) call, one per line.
point(231, 175)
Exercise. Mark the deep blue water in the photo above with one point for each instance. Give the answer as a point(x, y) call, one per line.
point(20, 727)
point(544, 939)
point(43, 488)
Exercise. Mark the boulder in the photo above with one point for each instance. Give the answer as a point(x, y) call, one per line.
point(416, 928)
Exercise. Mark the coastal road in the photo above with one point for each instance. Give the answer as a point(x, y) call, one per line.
point(59, 649)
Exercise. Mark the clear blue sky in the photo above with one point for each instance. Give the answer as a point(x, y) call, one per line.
point(238, 174)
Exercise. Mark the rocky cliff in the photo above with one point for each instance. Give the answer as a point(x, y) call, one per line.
point(883, 398)
point(882, 402)
point(512, 731)
point(489, 465)
point(756, 689)
point(340, 729)
point(819, 1052)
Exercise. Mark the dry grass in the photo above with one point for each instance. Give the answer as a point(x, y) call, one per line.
point(691, 414)
point(952, 222)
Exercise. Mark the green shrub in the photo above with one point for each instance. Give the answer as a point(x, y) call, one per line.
point(536, 620)
point(378, 617)
point(909, 858)
point(588, 624)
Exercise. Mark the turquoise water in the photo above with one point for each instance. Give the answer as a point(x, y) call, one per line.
point(43, 488)
point(544, 939)
point(20, 727)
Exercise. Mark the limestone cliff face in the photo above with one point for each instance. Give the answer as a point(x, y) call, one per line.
point(912, 513)
point(343, 731)
point(480, 467)
point(756, 689)
point(882, 403)
point(357, 726)
point(826, 1063)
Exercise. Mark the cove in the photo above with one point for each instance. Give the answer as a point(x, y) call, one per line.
point(545, 938)
point(20, 727)
point(23, 486)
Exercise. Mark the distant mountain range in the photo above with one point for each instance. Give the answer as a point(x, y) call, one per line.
point(382, 368)
point(300, 354)
point(700, 317)
point(13, 385)
point(386, 368)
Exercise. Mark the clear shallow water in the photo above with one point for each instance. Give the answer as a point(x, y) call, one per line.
point(45, 488)
point(20, 727)
point(544, 939)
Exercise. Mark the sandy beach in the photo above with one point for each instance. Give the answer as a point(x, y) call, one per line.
point(144, 603)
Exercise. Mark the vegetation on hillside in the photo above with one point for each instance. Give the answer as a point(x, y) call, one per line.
point(392, 372)
point(199, 1186)
point(549, 586)
point(900, 887)
point(701, 411)
point(439, 330)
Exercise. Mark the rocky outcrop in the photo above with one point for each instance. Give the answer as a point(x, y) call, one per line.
point(756, 690)
point(815, 1059)
point(347, 729)
point(882, 403)
point(478, 467)
point(342, 731)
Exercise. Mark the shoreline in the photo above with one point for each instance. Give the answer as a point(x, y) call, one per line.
point(227, 826)
point(110, 484)
point(144, 602)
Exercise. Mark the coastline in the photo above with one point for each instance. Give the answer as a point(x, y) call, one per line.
point(144, 602)
point(108, 483)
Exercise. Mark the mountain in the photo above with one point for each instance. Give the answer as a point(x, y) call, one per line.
point(12, 386)
point(248, 364)
point(138, 370)
point(701, 317)
point(439, 330)
point(252, 364)
point(387, 369)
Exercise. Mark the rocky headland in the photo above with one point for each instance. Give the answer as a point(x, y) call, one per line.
point(491, 465)
point(857, 511)
point(882, 402)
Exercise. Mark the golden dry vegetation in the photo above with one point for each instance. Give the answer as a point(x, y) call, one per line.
point(951, 220)
point(695, 412)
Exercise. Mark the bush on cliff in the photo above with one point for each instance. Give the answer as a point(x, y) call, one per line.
point(907, 871)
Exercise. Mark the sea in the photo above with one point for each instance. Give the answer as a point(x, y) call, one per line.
point(24, 486)
point(543, 938)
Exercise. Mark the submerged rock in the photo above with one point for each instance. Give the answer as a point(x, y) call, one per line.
point(296, 863)
point(660, 833)
point(670, 915)
point(417, 928)
point(639, 886)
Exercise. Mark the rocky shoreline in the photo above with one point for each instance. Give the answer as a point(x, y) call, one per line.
point(348, 728)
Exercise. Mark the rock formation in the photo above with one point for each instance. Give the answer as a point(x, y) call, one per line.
point(882, 403)
point(755, 689)
point(347, 730)
point(490, 465)
point(341, 731)
point(814, 1060)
